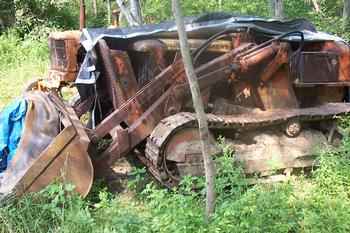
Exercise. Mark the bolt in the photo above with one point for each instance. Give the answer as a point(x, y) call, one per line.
point(293, 129)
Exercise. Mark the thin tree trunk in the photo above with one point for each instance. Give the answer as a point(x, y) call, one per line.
point(126, 13)
point(121, 18)
point(94, 6)
point(316, 6)
point(135, 9)
point(276, 9)
point(279, 9)
point(199, 108)
point(272, 7)
point(109, 12)
point(7, 13)
point(346, 14)
point(82, 18)
point(220, 4)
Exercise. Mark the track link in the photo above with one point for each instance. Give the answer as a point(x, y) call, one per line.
point(157, 141)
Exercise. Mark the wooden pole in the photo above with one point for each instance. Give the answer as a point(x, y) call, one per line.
point(346, 14)
point(276, 8)
point(82, 20)
point(94, 5)
point(109, 12)
point(199, 108)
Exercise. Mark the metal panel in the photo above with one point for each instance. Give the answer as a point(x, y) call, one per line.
point(318, 67)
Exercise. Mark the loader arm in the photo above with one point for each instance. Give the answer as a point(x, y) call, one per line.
point(164, 95)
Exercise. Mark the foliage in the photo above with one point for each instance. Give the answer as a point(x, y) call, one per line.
point(36, 18)
point(301, 205)
point(329, 19)
point(20, 62)
point(159, 10)
point(31, 14)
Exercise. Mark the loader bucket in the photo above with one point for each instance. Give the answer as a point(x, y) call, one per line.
point(53, 147)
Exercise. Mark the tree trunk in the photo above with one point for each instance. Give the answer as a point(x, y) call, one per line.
point(94, 6)
point(135, 9)
point(126, 13)
point(346, 14)
point(276, 9)
point(220, 4)
point(316, 6)
point(7, 13)
point(82, 19)
point(109, 12)
point(199, 108)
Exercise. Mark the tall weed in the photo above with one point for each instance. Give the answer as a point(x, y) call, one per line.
point(300, 205)
point(20, 62)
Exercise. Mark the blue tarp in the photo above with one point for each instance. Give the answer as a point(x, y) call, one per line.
point(11, 127)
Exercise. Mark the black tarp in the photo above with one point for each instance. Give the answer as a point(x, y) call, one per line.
point(197, 28)
point(200, 27)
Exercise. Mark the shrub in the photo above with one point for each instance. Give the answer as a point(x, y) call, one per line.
point(20, 61)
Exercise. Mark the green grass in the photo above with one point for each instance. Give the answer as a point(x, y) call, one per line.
point(20, 62)
point(299, 205)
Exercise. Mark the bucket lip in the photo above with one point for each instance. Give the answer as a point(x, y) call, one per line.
point(71, 143)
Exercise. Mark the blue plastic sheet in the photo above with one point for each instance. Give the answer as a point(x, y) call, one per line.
point(11, 127)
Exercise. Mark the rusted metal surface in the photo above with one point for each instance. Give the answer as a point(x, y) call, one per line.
point(279, 92)
point(115, 90)
point(54, 155)
point(156, 48)
point(343, 51)
point(320, 94)
point(254, 59)
point(260, 66)
point(64, 48)
point(82, 16)
point(219, 46)
point(310, 60)
point(29, 181)
point(240, 38)
point(143, 91)
point(183, 154)
point(72, 164)
point(148, 102)
point(81, 108)
point(125, 73)
point(157, 148)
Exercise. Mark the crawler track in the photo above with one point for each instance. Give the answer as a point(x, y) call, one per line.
point(168, 127)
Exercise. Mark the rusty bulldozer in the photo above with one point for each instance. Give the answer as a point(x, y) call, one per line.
point(272, 88)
